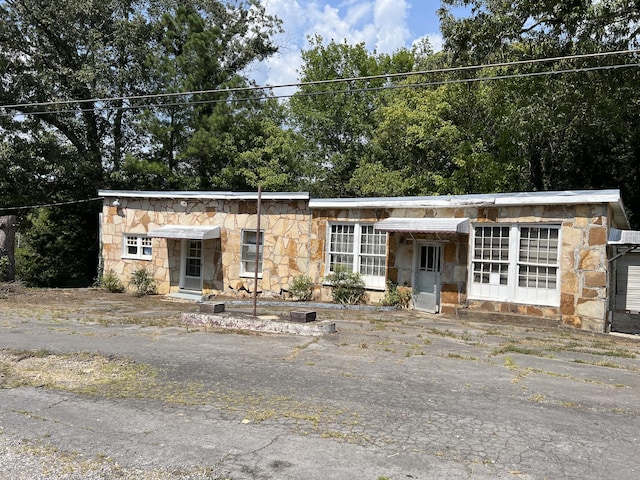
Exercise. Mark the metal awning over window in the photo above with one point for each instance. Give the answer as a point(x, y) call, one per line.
point(424, 225)
point(185, 231)
point(623, 237)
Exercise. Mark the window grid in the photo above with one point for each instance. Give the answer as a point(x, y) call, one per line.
point(491, 255)
point(358, 248)
point(538, 257)
point(373, 246)
point(137, 247)
point(194, 259)
point(248, 252)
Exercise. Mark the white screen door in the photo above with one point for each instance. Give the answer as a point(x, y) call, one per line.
point(428, 266)
point(192, 265)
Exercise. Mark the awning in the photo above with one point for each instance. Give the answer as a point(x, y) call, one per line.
point(205, 232)
point(623, 237)
point(424, 225)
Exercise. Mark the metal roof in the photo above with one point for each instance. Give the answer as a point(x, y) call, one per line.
point(210, 195)
point(623, 237)
point(571, 197)
point(426, 225)
point(191, 232)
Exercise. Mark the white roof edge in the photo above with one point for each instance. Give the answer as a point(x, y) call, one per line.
point(204, 195)
point(569, 197)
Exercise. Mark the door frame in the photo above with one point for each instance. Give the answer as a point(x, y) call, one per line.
point(417, 250)
point(183, 263)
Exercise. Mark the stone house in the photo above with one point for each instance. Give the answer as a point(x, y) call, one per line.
point(540, 254)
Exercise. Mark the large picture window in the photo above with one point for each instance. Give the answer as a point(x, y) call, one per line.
point(137, 246)
point(250, 253)
point(516, 263)
point(358, 248)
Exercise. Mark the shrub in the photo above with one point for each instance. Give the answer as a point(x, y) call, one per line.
point(301, 288)
point(395, 295)
point(346, 287)
point(143, 283)
point(4, 267)
point(111, 282)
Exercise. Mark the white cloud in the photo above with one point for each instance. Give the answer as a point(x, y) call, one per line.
point(390, 20)
point(380, 24)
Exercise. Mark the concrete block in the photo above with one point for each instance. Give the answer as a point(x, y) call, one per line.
point(212, 307)
point(302, 317)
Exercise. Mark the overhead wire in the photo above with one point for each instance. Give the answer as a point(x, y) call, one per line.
point(23, 106)
point(46, 205)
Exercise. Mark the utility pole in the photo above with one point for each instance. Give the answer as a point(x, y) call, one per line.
point(258, 241)
point(7, 245)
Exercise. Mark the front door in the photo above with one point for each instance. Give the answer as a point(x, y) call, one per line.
point(428, 266)
point(192, 265)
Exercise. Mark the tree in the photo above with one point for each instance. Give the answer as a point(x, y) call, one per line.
point(336, 120)
point(564, 131)
point(109, 63)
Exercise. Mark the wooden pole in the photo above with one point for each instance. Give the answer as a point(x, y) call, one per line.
point(258, 240)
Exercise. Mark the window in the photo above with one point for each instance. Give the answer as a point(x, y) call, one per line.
point(193, 259)
point(516, 263)
point(358, 248)
point(248, 252)
point(137, 246)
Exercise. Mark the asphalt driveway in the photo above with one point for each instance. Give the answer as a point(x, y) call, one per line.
point(100, 386)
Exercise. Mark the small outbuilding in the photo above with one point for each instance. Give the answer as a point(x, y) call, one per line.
point(547, 255)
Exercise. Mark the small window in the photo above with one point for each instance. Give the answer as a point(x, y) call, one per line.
point(250, 253)
point(138, 247)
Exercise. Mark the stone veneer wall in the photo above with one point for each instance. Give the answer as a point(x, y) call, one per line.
point(286, 226)
point(583, 262)
point(320, 219)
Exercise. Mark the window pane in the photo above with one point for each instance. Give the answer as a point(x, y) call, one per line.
point(491, 255)
point(373, 251)
point(538, 257)
point(249, 249)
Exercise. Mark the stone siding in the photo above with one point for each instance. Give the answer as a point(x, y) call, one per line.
point(295, 243)
point(285, 250)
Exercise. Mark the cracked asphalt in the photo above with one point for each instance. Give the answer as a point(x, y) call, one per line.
point(392, 395)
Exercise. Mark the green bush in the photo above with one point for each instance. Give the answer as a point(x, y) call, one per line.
point(395, 295)
point(111, 282)
point(4, 267)
point(301, 288)
point(346, 287)
point(143, 283)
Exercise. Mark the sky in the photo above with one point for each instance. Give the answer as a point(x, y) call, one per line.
point(383, 26)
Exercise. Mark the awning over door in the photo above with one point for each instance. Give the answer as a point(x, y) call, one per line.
point(424, 225)
point(185, 231)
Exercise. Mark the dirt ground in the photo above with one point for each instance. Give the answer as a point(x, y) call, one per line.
point(99, 385)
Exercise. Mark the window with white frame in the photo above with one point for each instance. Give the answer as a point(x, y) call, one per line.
point(358, 248)
point(250, 252)
point(137, 246)
point(517, 263)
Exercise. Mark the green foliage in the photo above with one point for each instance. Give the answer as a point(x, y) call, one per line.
point(58, 247)
point(143, 282)
point(4, 267)
point(301, 288)
point(395, 295)
point(111, 282)
point(347, 287)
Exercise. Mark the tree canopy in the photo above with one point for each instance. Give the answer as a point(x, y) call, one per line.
point(154, 94)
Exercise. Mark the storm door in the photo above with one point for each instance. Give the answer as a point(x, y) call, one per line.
point(427, 271)
point(191, 278)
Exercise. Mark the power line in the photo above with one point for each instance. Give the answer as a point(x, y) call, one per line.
point(345, 91)
point(318, 82)
point(45, 205)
